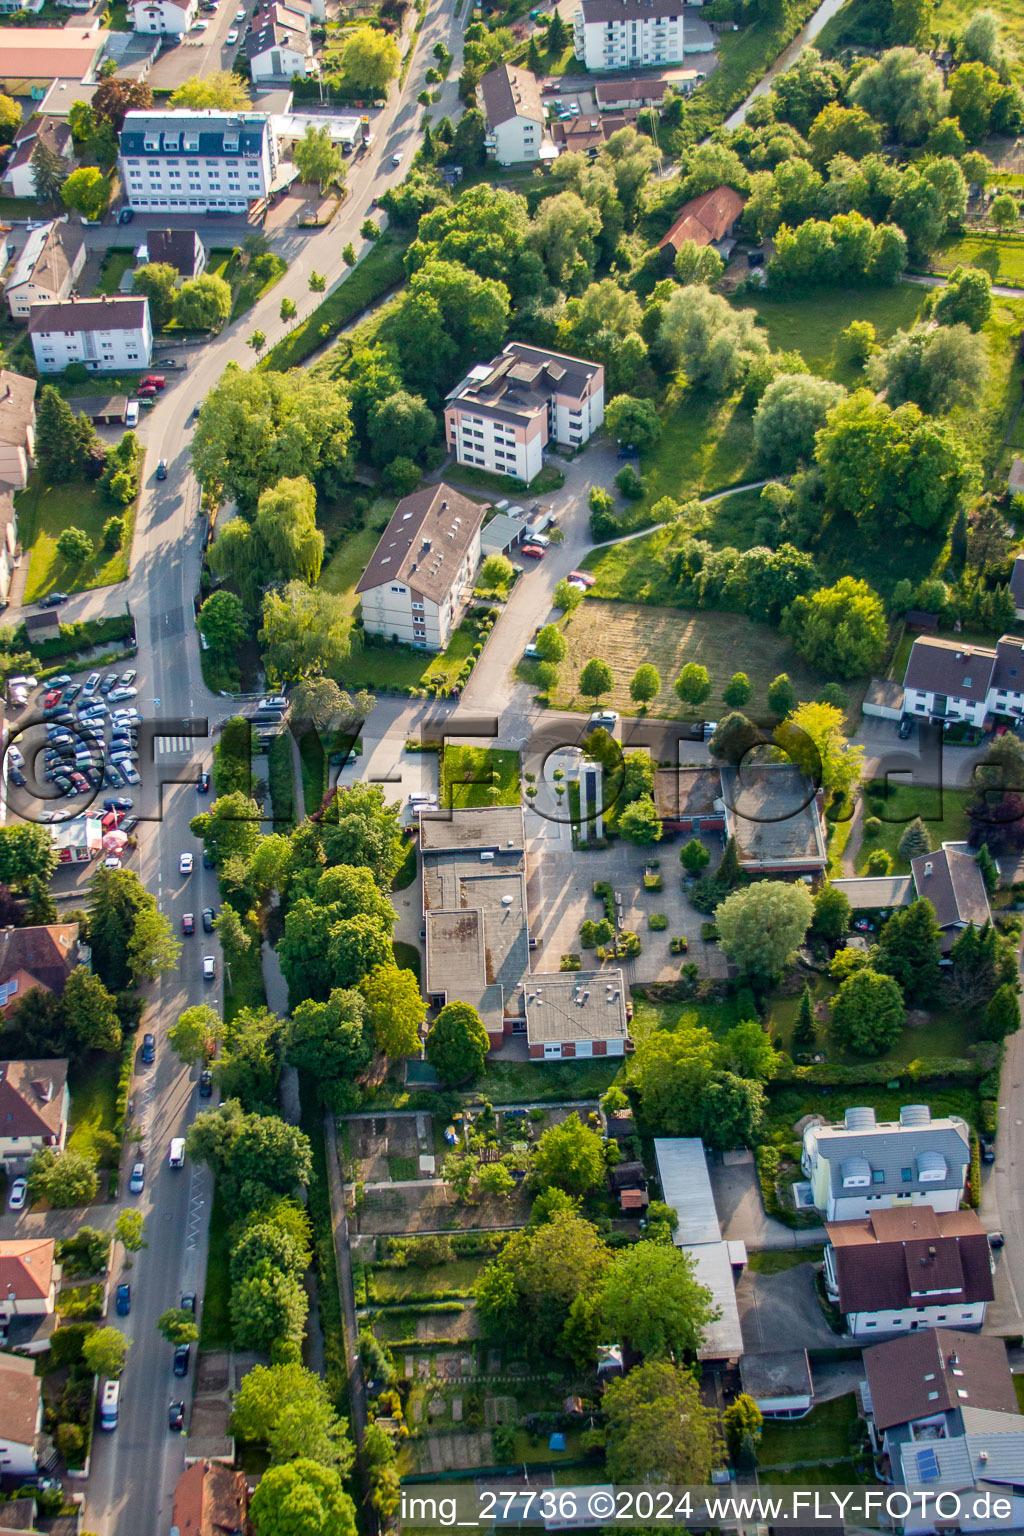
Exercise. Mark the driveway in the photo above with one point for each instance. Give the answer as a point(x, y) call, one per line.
point(741, 1211)
point(782, 1312)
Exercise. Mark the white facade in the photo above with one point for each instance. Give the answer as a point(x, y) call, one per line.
point(43, 272)
point(866, 1165)
point(917, 701)
point(396, 608)
point(15, 1151)
point(282, 60)
point(166, 17)
point(946, 1314)
point(197, 160)
point(952, 680)
point(515, 140)
point(117, 341)
point(636, 33)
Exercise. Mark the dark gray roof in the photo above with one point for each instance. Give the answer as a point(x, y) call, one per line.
point(1017, 581)
point(910, 1256)
point(926, 1372)
point(509, 92)
point(951, 667)
point(178, 248)
point(1008, 672)
point(631, 10)
point(953, 883)
point(249, 128)
point(777, 1373)
point(890, 1148)
point(424, 543)
point(106, 314)
point(518, 384)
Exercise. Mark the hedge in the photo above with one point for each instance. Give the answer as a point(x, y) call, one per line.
point(381, 269)
point(876, 1073)
point(78, 637)
point(604, 892)
point(281, 781)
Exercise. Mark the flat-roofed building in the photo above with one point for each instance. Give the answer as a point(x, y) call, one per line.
point(33, 57)
point(776, 815)
point(686, 1187)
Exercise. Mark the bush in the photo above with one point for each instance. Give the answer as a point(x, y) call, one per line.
point(872, 827)
point(709, 932)
point(657, 921)
point(630, 484)
point(679, 945)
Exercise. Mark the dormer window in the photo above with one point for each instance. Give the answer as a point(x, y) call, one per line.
point(190, 141)
point(231, 143)
point(171, 141)
point(152, 141)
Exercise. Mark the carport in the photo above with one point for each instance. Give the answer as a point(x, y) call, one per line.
point(501, 534)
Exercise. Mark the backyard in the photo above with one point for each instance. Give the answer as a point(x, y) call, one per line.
point(824, 1434)
point(93, 1090)
point(44, 511)
point(944, 812)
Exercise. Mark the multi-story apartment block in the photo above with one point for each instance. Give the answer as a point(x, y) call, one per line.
point(421, 574)
point(108, 335)
point(515, 114)
point(951, 680)
point(616, 34)
point(504, 413)
point(197, 160)
point(169, 18)
point(863, 1164)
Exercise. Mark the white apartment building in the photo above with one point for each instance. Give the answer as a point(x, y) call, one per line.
point(951, 680)
point(197, 160)
point(863, 1164)
point(504, 413)
point(420, 576)
point(169, 18)
point(108, 335)
point(515, 115)
point(616, 34)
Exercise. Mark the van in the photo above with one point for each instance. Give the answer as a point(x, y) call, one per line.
point(176, 1154)
point(267, 716)
point(109, 1399)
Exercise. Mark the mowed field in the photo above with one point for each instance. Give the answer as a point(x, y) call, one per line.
point(626, 634)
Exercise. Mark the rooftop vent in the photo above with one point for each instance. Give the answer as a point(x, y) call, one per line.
point(859, 1118)
point(915, 1114)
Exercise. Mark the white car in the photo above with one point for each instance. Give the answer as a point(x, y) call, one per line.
point(396, 158)
point(200, 26)
point(113, 862)
point(232, 36)
point(605, 717)
point(131, 415)
point(19, 1193)
point(121, 693)
point(209, 968)
point(185, 864)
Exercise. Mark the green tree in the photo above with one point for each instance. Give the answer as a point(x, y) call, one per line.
point(904, 91)
point(650, 1295)
point(496, 572)
point(117, 898)
point(737, 690)
point(645, 684)
point(400, 425)
point(748, 1052)
point(936, 368)
point(658, 1428)
point(330, 1042)
point(742, 1418)
point(693, 684)
point(831, 914)
point(457, 1042)
point(317, 282)
point(793, 409)
point(49, 170)
point(966, 299)
point(909, 949)
point(633, 421)
point(842, 131)
point(222, 623)
point(304, 630)
point(710, 342)
point(557, 35)
point(552, 645)
point(10, 118)
point(258, 341)
point(697, 264)
point(285, 525)
point(289, 1409)
point(781, 695)
point(62, 1178)
point(640, 823)
point(369, 59)
point(567, 597)
point(158, 282)
point(74, 546)
point(813, 738)
point(302, 1498)
point(569, 1156)
point(530, 1289)
point(59, 445)
point(989, 868)
point(1002, 1014)
point(90, 1013)
point(805, 1031)
point(867, 1014)
point(203, 303)
point(87, 191)
point(105, 1352)
point(317, 157)
point(129, 1230)
point(268, 1309)
point(395, 1011)
point(596, 678)
point(761, 927)
point(839, 629)
point(694, 857)
point(915, 840)
point(222, 91)
point(154, 947)
point(177, 1326)
point(197, 1034)
point(911, 22)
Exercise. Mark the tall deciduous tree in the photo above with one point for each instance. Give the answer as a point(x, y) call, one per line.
point(761, 927)
point(286, 526)
point(288, 1409)
point(318, 158)
point(658, 1428)
point(528, 1292)
point(302, 1498)
point(87, 191)
point(221, 91)
point(203, 303)
point(305, 630)
point(395, 1010)
point(457, 1042)
point(839, 629)
point(867, 1013)
point(369, 59)
point(650, 1295)
point(570, 1156)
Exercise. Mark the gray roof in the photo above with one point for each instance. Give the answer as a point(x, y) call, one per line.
point(509, 92)
point(178, 248)
point(17, 407)
point(890, 1148)
point(575, 1005)
point(777, 1373)
point(106, 314)
point(950, 667)
point(882, 691)
point(772, 811)
point(960, 1463)
point(494, 828)
point(712, 1266)
point(249, 129)
point(869, 892)
point(686, 1186)
point(518, 384)
point(1008, 672)
point(951, 880)
point(46, 258)
point(632, 10)
point(424, 544)
point(501, 532)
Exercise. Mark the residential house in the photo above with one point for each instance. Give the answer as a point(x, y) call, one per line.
point(47, 269)
point(168, 18)
point(1017, 576)
point(956, 681)
point(514, 113)
point(686, 1186)
point(21, 1415)
point(29, 1278)
point(197, 160)
point(632, 92)
point(777, 817)
point(909, 1267)
point(779, 1381)
point(211, 1499)
point(862, 1164)
point(33, 57)
point(34, 1104)
point(951, 880)
point(478, 943)
point(181, 249)
point(503, 413)
point(620, 34)
point(8, 543)
point(8, 7)
point(420, 577)
point(17, 429)
point(706, 220)
point(43, 956)
point(107, 335)
point(279, 45)
point(19, 178)
point(585, 135)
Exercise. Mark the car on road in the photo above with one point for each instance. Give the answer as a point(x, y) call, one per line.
point(205, 1083)
point(185, 864)
point(18, 1195)
point(138, 1178)
point(176, 1152)
point(209, 967)
point(987, 1145)
point(532, 551)
point(188, 922)
point(605, 717)
point(118, 803)
point(176, 1415)
point(996, 1239)
point(182, 1356)
point(209, 916)
point(54, 600)
point(124, 1299)
point(149, 1049)
point(396, 158)
point(232, 36)
point(161, 470)
point(273, 701)
point(188, 1302)
point(207, 861)
point(125, 215)
point(203, 782)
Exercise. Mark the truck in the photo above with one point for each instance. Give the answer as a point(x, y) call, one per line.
point(366, 137)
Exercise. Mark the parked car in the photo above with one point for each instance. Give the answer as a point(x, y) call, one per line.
point(125, 215)
point(110, 681)
point(605, 717)
point(209, 967)
point(205, 1083)
point(148, 1049)
point(121, 692)
point(127, 678)
point(188, 1302)
point(996, 1239)
point(203, 782)
point(232, 36)
point(138, 1178)
point(54, 600)
point(208, 919)
point(131, 415)
point(176, 1415)
point(111, 861)
point(154, 381)
point(532, 551)
point(185, 864)
point(531, 651)
point(18, 1195)
point(118, 803)
point(124, 1299)
point(987, 1145)
point(188, 922)
point(181, 1359)
point(906, 726)
point(92, 682)
point(586, 577)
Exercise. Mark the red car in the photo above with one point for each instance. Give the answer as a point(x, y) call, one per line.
point(152, 381)
point(51, 698)
point(80, 782)
point(532, 552)
point(146, 391)
point(586, 577)
point(188, 923)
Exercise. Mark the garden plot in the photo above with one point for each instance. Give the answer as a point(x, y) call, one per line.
point(388, 1147)
point(432, 1208)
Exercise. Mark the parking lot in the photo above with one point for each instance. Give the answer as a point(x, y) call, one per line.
point(201, 51)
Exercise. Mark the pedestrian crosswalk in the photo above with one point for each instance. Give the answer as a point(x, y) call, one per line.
point(175, 746)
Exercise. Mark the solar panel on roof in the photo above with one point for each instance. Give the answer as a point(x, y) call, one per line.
point(927, 1466)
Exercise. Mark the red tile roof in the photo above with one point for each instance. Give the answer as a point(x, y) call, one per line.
point(211, 1499)
point(705, 219)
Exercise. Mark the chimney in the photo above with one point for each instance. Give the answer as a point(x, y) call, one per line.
point(928, 868)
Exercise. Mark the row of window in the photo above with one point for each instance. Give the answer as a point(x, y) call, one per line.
point(897, 1322)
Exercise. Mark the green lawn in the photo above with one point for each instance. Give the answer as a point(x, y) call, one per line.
point(811, 323)
point(246, 988)
point(823, 1435)
point(93, 1089)
point(1002, 256)
point(117, 261)
point(775, 1261)
point(406, 872)
point(479, 776)
point(521, 1082)
point(648, 1016)
point(459, 1276)
point(381, 269)
point(943, 811)
point(44, 512)
point(945, 1032)
point(215, 1332)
